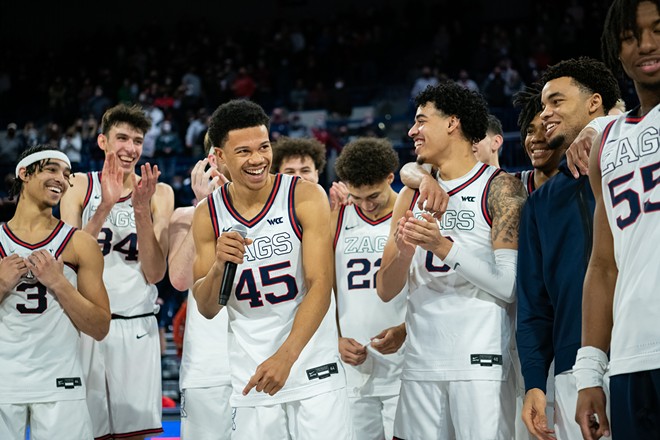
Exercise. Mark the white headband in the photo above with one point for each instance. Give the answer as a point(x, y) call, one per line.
point(41, 155)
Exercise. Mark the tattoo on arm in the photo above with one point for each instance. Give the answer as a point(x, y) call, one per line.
point(506, 197)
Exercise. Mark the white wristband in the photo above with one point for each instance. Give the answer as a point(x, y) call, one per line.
point(590, 366)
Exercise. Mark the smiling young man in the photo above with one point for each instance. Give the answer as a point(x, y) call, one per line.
point(555, 245)
point(286, 375)
point(545, 161)
point(620, 307)
point(369, 343)
point(460, 273)
point(51, 289)
point(128, 214)
point(302, 157)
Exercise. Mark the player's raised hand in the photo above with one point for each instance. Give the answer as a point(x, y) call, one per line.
point(204, 181)
point(144, 188)
point(338, 195)
point(112, 179)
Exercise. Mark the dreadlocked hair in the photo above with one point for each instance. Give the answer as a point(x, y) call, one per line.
point(529, 102)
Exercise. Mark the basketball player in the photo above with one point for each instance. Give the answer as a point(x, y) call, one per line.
point(489, 148)
point(558, 214)
point(204, 377)
point(286, 376)
point(305, 158)
point(302, 157)
point(51, 289)
point(620, 307)
point(367, 166)
point(545, 161)
point(461, 272)
point(128, 214)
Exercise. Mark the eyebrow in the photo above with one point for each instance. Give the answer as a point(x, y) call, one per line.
point(554, 95)
point(57, 164)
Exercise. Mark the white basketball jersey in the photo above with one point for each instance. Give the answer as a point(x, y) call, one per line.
point(129, 292)
point(456, 331)
point(359, 244)
point(205, 357)
point(268, 289)
point(527, 179)
point(630, 169)
point(38, 342)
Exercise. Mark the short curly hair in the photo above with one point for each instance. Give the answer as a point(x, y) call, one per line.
point(453, 99)
point(529, 102)
point(366, 161)
point(286, 147)
point(133, 115)
point(235, 115)
point(590, 75)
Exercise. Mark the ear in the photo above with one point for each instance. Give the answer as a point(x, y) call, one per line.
point(219, 154)
point(390, 178)
point(497, 142)
point(211, 158)
point(22, 174)
point(595, 103)
point(102, 141)
point(453, 124)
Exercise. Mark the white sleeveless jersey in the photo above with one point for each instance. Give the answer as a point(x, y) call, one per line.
point(268, 289)
point(527, 179)
point(359, 244)
point(129, 292)
point(205, 357)
point(456, 331)
point(38, 342)
point(630, 169)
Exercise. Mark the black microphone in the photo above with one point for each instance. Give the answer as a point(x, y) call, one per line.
point(230, 270)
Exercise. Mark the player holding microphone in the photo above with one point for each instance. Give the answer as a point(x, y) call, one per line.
point(285, 369)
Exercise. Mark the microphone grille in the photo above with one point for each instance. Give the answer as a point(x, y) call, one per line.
point(240, 228)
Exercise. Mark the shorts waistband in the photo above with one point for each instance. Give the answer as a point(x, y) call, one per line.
point(115, 316)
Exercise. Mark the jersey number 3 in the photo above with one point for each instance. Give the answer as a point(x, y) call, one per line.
point(39, 296)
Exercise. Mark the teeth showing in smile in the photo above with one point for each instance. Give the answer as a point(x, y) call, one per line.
point(550, 126)
point(55, 189)
point(256, 172)
point(126, 159)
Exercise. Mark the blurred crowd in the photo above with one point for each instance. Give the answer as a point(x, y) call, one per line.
point(369, 57)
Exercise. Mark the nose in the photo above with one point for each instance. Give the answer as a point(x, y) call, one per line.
point(648, 41)
point(538, 135)
point(545, 113)
point(413, 131)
